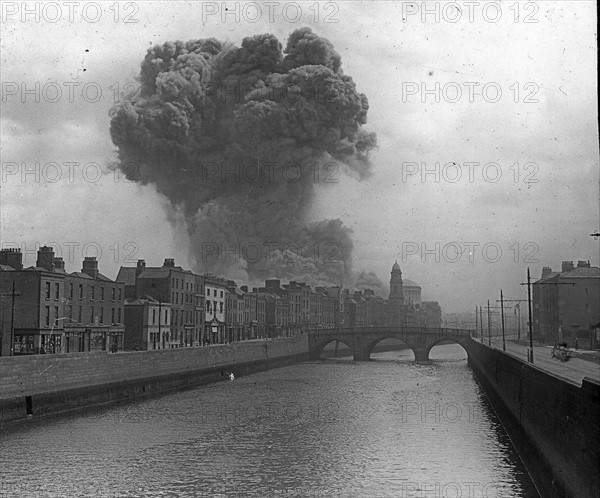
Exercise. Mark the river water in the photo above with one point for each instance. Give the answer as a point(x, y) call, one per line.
point(384, 428)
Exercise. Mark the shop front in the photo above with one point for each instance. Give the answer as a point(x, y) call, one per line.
point(36, 341)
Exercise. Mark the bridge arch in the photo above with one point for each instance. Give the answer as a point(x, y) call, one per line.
point(367, 349)
point(318, 348)
point(446, 341)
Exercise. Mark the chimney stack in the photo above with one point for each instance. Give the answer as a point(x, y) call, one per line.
point(583, 264)
point(169, 263)
point(12, 257)
point(244, 288)
point(546, 271)
point(141, 265)
point(59, 264)
point(45, 258)
point(90, 266)
point(567, 266)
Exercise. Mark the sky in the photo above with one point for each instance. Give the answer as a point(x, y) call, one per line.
point(485, 115)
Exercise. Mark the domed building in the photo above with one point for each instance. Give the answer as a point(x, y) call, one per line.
point(412, 292)
point(404, 305)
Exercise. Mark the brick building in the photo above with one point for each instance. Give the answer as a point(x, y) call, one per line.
point(181, 289)
point(215, 309)
point(566, 304)
point(56, 311)
point(147, 324)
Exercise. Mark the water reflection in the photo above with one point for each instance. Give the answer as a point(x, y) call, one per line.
point(389, 427)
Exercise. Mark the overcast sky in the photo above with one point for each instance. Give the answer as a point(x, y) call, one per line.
point(527, 111)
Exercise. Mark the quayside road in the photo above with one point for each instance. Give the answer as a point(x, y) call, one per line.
point(574, 370)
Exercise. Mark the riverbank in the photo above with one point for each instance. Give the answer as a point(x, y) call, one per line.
point(551, 420)
point(42, 385)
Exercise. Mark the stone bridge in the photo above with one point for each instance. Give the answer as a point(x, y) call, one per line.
point(362, 340)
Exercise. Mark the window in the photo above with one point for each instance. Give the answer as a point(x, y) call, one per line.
point(56, 290)
point(112, 315)
point(177, 298)
point(101, 315)
point(119, 315)
point(114, 291)
point(80, 316)
point(221, 307)
point(101, 293)
point(221, 293)
point(47, 290)
point(92, 293)
point(153, 316)
point(70, 291)
point(80, 291)
point(47, 315)
point(92, 315)
point(166, 316)
point(56, 313)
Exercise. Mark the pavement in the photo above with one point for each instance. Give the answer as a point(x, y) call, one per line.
point(582, 363)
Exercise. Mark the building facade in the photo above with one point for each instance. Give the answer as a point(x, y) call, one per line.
point(181, 289)
point(147, 324)
point(52, 311)
point(215, 309)
point(566, 305)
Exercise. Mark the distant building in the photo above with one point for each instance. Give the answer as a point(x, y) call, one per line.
point(430, 314)
point(181, 289)
point(411, 292)
point(566, 304)
point(234, 312)
point(215, 309)
point(401, 312)
point(147, 324)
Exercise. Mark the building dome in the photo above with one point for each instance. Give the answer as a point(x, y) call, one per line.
point(396, 266)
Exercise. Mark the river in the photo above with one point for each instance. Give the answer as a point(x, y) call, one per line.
point(385, 428)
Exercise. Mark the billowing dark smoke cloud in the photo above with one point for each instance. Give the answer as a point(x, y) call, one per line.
point(236, 138)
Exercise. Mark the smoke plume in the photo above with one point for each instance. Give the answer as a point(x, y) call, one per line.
point(237, 138)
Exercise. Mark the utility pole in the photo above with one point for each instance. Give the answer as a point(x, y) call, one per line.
point(159, 319)
point(502, 308)
point(489, 326)
point(528, 284)
point(530, 322)
point(12, 294)
point(481, 321)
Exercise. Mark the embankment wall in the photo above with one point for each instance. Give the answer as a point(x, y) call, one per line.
point(41, 385)
point(553, 423)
